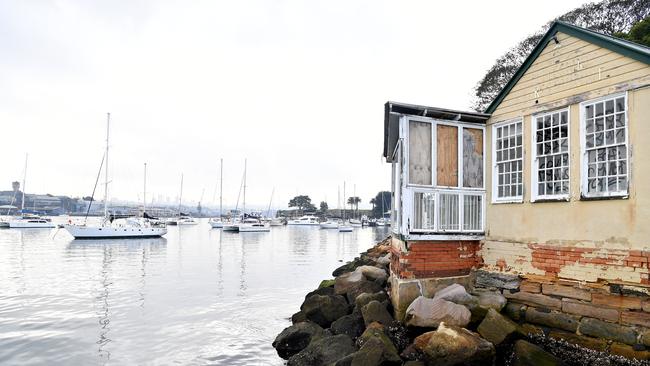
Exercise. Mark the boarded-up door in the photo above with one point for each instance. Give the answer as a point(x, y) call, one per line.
point(447, 142)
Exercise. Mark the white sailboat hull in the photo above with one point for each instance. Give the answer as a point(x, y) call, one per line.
point(216, 224)
point(245, 228)
point(329, 225)
point(345, 229)
point(107, 232)
point(28, 224)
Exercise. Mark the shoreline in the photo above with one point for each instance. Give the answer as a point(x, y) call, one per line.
point(348, 320)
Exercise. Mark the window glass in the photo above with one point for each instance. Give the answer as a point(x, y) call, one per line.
point(551, 149)
point(419, 153)
point(606, 147)
point(508, 157)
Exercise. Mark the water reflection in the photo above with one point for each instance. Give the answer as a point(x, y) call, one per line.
point(197, 296)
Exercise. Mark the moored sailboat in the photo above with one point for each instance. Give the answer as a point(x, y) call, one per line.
point(115, 226)
point(27, 220)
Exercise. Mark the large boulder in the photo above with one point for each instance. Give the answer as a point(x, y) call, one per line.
point(298, 317)
point(351, 325)
point(346, 281)
point(351, 266)
point(373, 273)
point(528, 354)
point(321, 291)
point(323, 351)
point(377, 351)
point(451, 345)
point(425, 312)
point(455, 293)
point(491, 300)
point(385, 260)
point(496, 328)
point(375, 311)
point(323, 310)
point(366, 297)
point(296, 337)
point(361, 288)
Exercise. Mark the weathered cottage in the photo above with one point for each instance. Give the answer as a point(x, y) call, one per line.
point(556, 189)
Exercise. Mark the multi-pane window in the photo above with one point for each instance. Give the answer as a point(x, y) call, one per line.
point(508, 161)
point(551, 155)
point(605, 148)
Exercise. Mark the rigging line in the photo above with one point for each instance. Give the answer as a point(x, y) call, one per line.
point(92, 197)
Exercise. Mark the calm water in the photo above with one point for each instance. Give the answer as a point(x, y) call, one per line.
point(197, 296)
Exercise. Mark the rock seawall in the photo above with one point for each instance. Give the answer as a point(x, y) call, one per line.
point(349, 321)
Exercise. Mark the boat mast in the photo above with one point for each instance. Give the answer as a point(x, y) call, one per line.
point(268, 211)
point(221, 191)
point(22, 203)
point(108, 123)
point(180, 197)
point(244, 202)
point(343, 200)
point(144, 195)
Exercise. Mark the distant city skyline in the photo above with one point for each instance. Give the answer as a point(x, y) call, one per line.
point(297, 88)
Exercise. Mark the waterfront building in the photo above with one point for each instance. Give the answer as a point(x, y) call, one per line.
point(549, 185)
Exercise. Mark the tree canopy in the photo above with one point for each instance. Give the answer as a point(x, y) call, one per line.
point(382, 203)
point(640, 33)
point(302, 202)
point(607, 16)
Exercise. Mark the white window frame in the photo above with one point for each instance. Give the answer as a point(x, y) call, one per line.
point(434, 151)
point(495, 174)
point(584, 163)
point(534, 166)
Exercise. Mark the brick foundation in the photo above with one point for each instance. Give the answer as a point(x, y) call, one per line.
point(434, 259)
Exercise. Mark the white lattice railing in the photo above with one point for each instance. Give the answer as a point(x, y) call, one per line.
point(447, 211)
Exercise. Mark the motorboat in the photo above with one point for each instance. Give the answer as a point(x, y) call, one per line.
point(355, 223)
point(231, 227)
point(118, 227)
point(382, 222)
point(216, 223)
point(187, 220)
point(253, 226)
point(28, 221)
point(345, 227)
point(329, 224)
point(307, 220)
point(276, 222)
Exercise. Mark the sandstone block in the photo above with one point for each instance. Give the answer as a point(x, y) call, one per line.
point(530, 286)
point(617, 301)
point(592, 311)
point(553, 319)
point(566, 291)
point(606, 330)
point(538, 300)
point(496, 327)
point(636, 318)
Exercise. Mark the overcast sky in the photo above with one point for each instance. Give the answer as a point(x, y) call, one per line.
point(297, 87)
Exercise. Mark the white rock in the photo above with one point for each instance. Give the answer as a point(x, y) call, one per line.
point(385, 260)
point(346, 281)
point(455, 293)
point(372, 273)
point(424, 312)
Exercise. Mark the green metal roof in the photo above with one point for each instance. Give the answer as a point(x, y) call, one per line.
point(630, 49)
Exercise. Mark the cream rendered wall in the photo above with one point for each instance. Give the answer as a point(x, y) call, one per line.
point(564, 76)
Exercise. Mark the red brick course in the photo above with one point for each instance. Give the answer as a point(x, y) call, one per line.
point(427, 259)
